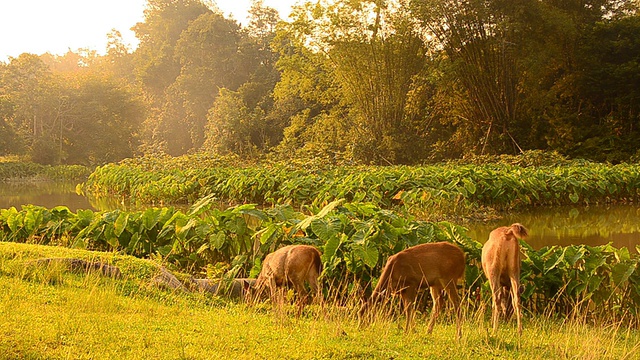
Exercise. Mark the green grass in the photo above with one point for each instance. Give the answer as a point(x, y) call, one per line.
point(49, 313)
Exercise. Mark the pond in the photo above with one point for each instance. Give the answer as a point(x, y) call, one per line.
point(41, 193)
point(594, 225)
point(49, 194)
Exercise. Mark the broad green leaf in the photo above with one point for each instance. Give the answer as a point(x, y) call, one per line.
point(133, 243)
point(622, 271)
point(574, 197)
point(622, 254)
point(469, 186)
point(237, 226)
point(326, 228)
point(554, 261)
point(367, 254)
point(203, 229)
point(253, 212)
point(573, 254)
point(113, 241)
point(202, 205)
point(594, 282)
point(120, 224)
point(331, 247)
point(32, 219)
point(304, 224)
point(593, 262)
point(79, 243)
point(14, 221)
point(255, 269)
point(150, 218)
point(84, 217)
point(267, 233)
point(164, 250)
point(218, 240)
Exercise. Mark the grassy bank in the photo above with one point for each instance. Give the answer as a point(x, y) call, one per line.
point(355, 239)
point(48, 313)
point(22, 171)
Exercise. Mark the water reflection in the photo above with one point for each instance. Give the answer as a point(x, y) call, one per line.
point(594, 225)
point(51, 194)
point(42, 193)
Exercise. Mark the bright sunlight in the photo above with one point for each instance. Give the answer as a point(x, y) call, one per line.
point(41, 26)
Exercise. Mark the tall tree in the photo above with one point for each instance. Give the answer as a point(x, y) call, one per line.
point(518, 63)
point(241, 120)
point(377, 57)
point(605, 84)
point(164, 21)
point(99, 119)
point(480, 38)
point(213, 56)
point(29, 92)
point(71, 115)
point(307, 99)
point(156, 66)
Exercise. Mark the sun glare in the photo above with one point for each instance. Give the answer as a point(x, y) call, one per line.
point(40, 26)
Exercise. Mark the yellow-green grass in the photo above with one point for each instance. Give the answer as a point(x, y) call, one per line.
point(49, 313)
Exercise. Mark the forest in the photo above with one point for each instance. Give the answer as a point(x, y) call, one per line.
point(349, 82)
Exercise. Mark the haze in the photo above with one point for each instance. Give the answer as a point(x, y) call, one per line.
point(40, 26)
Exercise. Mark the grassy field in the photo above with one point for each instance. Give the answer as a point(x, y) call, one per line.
point(50, 313)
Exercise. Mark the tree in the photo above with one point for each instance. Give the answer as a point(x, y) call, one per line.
point(229, 125)
point(100, 120)
point(156, 67)
point(9, 140)
point(212, 56)
point(377, 58)
point(249, 125)
point(71, 115)
point(480, 39)
point(29, 96)
point(307, 100)
point(607, 82)
point(165, 20)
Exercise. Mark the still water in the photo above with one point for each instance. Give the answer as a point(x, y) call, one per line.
point(42, 193)
point(594, 225)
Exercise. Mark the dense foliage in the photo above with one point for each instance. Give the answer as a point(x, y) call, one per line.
point(355, 238)
point(18, 170)
point(447, 188)
point(364, 82)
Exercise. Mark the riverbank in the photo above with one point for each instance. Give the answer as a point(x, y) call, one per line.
point(48, 313)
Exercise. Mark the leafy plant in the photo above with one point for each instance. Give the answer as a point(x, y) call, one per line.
point(355, 238)
point(433, 191)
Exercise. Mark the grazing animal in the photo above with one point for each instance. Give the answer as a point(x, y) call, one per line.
point(292, 265)
point(436, 266)
point(501, 265)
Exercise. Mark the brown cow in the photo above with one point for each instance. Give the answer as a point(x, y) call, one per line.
point(292, 265)
point(437, 266)
point(501, 265)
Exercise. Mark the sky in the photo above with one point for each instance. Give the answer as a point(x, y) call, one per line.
point(55, 26)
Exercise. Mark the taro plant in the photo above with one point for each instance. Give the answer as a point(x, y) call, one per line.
point(355, 238)
point(29, 170)
point(443, 189)
point(570, 279)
